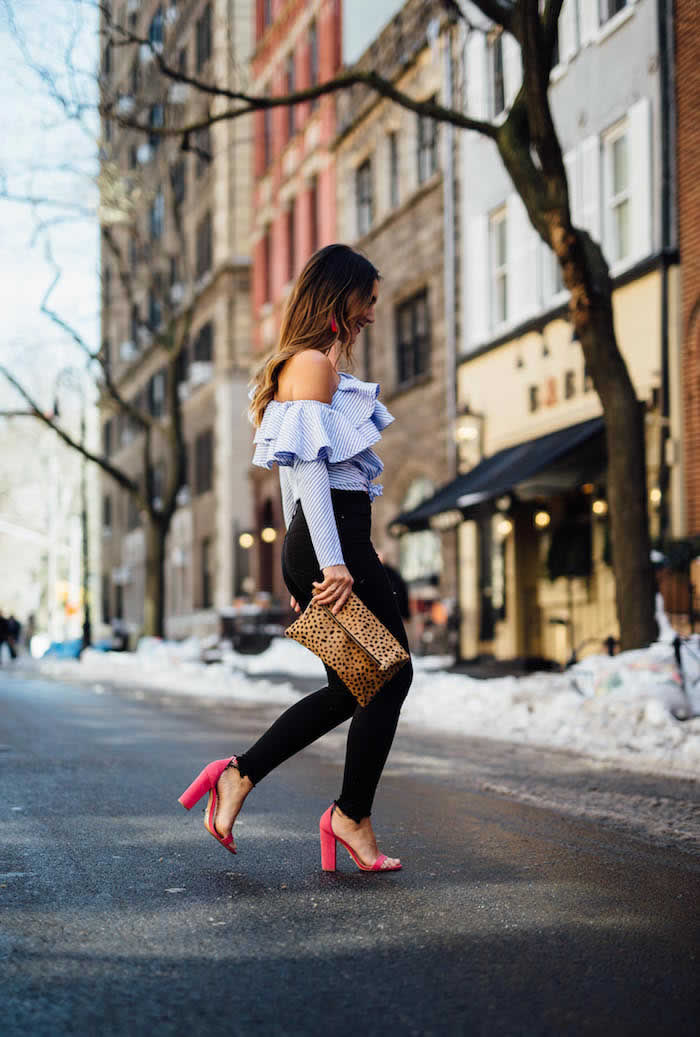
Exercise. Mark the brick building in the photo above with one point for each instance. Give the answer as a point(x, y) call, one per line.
point(181, 225)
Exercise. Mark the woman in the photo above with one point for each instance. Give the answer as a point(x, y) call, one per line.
point(318, 424)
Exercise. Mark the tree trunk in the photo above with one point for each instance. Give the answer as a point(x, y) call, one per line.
point(625, 438)
point(154, 601)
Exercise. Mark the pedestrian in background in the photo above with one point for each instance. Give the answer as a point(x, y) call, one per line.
point(3, 636)
point(318, 424)
point(14, 628)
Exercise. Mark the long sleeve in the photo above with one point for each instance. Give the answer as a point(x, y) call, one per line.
point(315, 496)
point(287, 493)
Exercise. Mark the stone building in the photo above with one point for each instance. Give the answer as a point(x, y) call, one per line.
point(532, 479)
point(181, 224)
point(391, 204)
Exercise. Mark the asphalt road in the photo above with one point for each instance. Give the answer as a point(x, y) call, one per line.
point(121, 916)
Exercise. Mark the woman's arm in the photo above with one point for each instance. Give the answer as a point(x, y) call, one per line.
point(315, 496)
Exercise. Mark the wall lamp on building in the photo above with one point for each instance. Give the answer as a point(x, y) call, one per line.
point(246, 541)
point(599, 507)
point(504, 527)
point(655, 496)
point(542, 519)
point(268, 535)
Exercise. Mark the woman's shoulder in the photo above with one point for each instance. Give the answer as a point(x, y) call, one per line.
point(308, 375)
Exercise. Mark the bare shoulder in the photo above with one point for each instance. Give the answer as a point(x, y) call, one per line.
point(310, 375)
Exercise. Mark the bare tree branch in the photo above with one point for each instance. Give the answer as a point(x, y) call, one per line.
point(125, 481)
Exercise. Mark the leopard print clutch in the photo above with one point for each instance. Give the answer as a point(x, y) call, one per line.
point(353, 642)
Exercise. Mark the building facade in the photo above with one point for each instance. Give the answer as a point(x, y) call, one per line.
point(534, 570)
point(391, 205)
point(176, 309)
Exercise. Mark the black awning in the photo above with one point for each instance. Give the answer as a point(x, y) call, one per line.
point(539, 466)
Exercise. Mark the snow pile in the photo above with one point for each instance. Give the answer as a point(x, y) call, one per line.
point(628, 708)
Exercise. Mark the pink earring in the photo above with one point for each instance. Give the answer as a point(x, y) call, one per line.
point(334, 326)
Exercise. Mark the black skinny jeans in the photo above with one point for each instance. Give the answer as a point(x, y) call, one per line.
point(373, 726)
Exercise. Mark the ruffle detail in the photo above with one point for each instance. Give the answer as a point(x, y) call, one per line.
point(311, 430)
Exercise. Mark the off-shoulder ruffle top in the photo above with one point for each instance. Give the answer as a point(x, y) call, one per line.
point(341, 432)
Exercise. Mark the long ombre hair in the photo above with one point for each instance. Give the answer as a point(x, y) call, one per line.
point(336, 284)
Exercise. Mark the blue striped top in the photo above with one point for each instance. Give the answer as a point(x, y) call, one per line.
point(322, 446)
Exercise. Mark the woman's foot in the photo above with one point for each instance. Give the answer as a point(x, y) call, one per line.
point(360, 836)
point(231, 791)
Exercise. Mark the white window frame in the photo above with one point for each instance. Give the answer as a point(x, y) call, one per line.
point(612, 202)
point(498, 271)
point(493, 44)
point(364, 203)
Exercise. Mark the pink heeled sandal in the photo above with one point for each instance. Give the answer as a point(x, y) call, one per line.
point(329, 845)
point(206, 782)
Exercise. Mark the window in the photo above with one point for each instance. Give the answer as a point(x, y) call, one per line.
point(616, 181)
point(498, 247)
point(569, 384)
point(412, 338)
point(107, 354)
point(363, 194)
point(267, 13)
point(206, 573)
point(156, 394)
point(157, 483)
point(135, 324)
point(156, 120)
point(314, 213)
point(133, 518)
point(203, 150)
point(496, 77)
point(393, 143)
point(420, 554)
point(178, 182)
point(107, 61)
point(133, 156)
point(291, 242)
point(203, 38)
point(204, 246)
point(203, 461)
point(533, 398)
point(106, 614)
point(291, 87)
point(107, 437)
point(427, 147)
point(203, 348)
point(155, 29)
point(155, 310)
point(156, 219)
point(107, 286)
point(609, 8)
point(313, 60)
point(182, 60)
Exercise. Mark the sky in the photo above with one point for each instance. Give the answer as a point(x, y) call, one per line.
point(45, 153)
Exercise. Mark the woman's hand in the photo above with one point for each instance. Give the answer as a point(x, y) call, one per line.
point(294, 604)
point(335, 589)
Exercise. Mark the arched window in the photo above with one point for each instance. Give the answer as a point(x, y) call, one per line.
point(420, 554)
